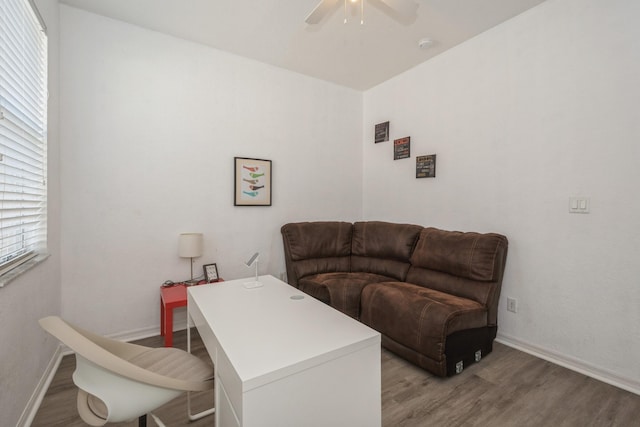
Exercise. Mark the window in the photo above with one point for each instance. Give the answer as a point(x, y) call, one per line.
point(23, 134)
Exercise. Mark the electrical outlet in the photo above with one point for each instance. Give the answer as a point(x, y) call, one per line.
point(512, 305)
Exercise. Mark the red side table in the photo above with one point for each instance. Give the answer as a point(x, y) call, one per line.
point(172, 297)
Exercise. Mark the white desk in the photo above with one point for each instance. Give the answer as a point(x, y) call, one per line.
point(286, 362)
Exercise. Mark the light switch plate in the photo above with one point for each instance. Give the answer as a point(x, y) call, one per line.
point(579, 205)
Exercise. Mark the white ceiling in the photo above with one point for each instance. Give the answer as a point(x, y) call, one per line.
point(274, 31)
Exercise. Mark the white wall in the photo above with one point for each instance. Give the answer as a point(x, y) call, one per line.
point(522, 117)
point(540, 108)
point(25, 349)
point(150, 125)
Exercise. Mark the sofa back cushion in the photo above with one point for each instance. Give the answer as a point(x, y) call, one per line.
point(383, 248)
point(469, 265)
point(316, 247)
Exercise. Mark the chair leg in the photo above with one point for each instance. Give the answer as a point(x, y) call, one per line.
point(142, 421)
point(157, 420)
point(194, 417)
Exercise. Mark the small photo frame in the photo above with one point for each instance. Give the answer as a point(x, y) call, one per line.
point(252, 183)
point(382, 132)
point(210, 273)
point(402, 148)
point(426, 166)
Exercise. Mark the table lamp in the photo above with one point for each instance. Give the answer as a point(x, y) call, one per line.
point(190, 246)
point(253, 261)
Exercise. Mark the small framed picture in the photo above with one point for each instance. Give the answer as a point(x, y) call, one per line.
point(426, 166)
point(381, 132)
point(252, 183)
point(210, 273)
point(402, 148)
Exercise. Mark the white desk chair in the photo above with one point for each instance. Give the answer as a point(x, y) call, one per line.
point(119, 381)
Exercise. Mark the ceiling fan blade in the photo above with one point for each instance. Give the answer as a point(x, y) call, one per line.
point(405, 8)
point(320, 11)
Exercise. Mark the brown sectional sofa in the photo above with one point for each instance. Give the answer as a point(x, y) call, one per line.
point(432, 294)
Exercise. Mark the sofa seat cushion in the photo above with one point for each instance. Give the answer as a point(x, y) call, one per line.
point(340, 290)
point(419, 318)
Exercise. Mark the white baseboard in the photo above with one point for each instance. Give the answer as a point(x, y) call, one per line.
point(577, 365)
point(136, 334)
point(33, 405)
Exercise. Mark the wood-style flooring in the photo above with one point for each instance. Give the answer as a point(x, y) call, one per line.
point(507, 388)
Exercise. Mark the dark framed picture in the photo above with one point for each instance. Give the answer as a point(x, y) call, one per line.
point(426, 166)
point(382, 132)
point(402, 148)
point(252, 182)
point(210, 272)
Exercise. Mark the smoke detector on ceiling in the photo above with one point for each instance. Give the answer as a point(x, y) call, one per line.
point(425, 43)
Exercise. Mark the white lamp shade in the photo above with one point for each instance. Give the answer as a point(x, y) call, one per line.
point(190, 245)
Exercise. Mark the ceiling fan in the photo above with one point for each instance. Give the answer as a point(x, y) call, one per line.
point(405, 9)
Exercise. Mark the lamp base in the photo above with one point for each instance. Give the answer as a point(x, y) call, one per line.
point(251, 285)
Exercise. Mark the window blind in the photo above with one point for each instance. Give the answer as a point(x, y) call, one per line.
point(23, 134)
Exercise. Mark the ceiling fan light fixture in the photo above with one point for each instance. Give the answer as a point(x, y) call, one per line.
point(361, 10)
point(404, 9)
